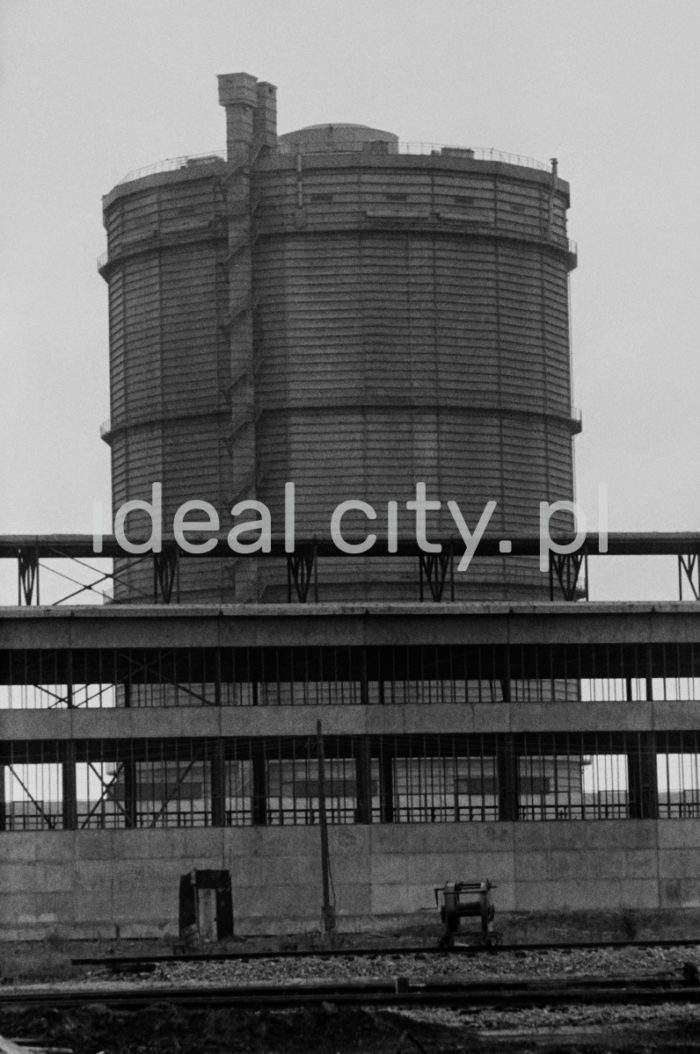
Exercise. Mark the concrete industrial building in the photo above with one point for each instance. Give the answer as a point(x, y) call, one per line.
point(329, 309)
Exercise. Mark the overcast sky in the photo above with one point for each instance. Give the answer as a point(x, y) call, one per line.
point(90, 89)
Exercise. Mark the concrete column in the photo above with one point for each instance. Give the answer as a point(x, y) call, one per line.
point(217, 769)
point(259, 802)
point(265, 120)
point(130, 792)
point(129, 775)
point(364, 685)
point(251, 112)
point(386, 785)
point(363, 773)
point(641, 776)
point(3, 801)
point(238, 94)
point(507, 778)
point(70, 801)
point(507, 761)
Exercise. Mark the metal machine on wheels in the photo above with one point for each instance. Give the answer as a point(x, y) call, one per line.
point(458, 900)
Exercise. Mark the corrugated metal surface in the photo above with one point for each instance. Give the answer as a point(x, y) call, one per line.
point(409, 323)
point(415, 327)
point(170, 371)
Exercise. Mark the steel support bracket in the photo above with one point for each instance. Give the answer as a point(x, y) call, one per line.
point(689, 566)
point(165, 567)
point(433, 568)
point(301, 566)
point(565, 568)
point(27, 576)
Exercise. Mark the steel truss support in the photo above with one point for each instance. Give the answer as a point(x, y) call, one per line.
point(433, 568)
point(565, 569)
point(165, 573)
point(27, 576)
point(689, 566)
point(301, 566)
point(107, 794)
point(50, 822)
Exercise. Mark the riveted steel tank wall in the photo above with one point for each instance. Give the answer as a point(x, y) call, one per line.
point(412, 326)
point(169, 357)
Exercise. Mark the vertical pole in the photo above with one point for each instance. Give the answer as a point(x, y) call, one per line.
point(327, 910)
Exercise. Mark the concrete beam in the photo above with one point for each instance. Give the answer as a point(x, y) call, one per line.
point(347, 625)
point(348, 720)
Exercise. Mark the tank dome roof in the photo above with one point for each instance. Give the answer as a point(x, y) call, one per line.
point(321, 138)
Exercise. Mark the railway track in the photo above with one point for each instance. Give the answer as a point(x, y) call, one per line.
point(396, 991)
point(119, 961)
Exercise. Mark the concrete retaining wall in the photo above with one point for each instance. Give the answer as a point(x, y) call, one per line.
point(125, 883)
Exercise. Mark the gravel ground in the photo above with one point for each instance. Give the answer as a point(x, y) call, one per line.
point(642, 962)
point(330, 1030)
